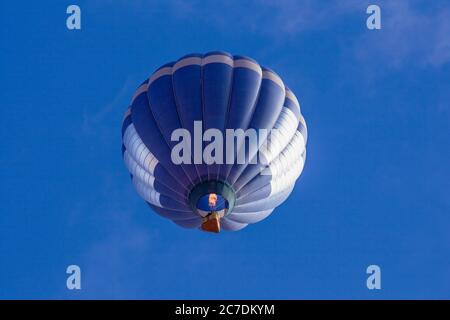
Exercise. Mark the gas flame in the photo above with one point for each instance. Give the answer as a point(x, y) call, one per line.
point(212, 200)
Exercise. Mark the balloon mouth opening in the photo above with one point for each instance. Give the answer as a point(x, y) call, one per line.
point(212, 197)
point(212, 202)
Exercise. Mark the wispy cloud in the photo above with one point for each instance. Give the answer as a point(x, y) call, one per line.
point(410, 29)
point(107, 261)
point(270, 17)
point(440, 52)
point(93, 117)
point(410, 36)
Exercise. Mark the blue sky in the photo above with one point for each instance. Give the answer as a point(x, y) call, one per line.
point(375, 188)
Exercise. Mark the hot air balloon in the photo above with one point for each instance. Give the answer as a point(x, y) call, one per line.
point(211, 94)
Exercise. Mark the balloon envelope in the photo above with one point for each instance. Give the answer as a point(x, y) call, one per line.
point(213, 98)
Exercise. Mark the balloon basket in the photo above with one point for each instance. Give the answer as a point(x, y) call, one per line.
point(211, 222)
